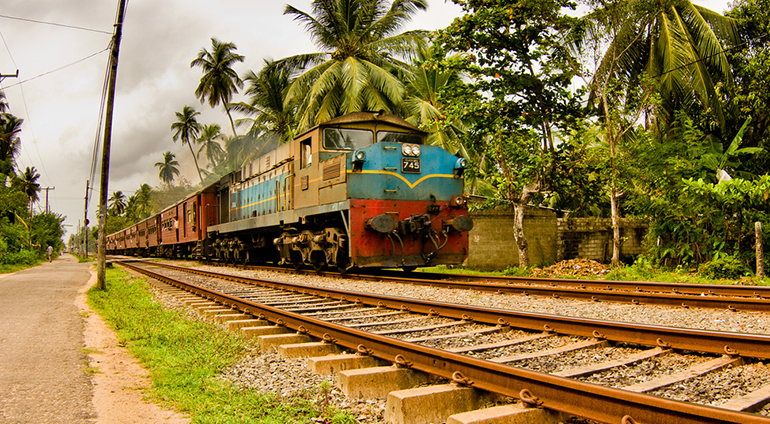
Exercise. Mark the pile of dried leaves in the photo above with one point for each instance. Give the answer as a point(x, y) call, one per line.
point(573, 268)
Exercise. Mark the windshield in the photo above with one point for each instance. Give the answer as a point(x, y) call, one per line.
point(346, 139)
point(398, 137)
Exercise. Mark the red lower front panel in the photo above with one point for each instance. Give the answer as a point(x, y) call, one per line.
point(423, 235)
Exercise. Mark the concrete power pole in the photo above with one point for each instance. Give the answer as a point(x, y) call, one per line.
point(102, 251)
point(47, 209)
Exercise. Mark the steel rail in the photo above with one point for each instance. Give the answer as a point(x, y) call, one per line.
point(534, 389)
point(734, 298)
point(737, 344)
point(583, 293)
point(639, 286)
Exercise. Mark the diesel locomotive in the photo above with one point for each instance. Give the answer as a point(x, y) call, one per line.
point(361, 190)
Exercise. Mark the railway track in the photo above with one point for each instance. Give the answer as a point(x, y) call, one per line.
point(603, 371)
point(731, 297)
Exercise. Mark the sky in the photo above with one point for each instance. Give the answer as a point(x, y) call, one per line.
point(62, 70)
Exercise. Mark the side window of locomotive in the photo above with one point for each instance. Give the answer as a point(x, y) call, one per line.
point(398, 137)
point(306, 153)
point(346, 138)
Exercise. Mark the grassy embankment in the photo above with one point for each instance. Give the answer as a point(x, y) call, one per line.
point(9, 268)
point(186, 356)
point(635, 272)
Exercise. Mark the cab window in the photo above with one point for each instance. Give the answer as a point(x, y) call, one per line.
point(306, 153)
point(346, 138)
point(398, 137)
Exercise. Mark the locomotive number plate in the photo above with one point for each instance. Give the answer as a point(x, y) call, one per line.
point(410, 165)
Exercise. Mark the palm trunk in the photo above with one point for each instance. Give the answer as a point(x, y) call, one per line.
point(230, 117)
point(195, 160)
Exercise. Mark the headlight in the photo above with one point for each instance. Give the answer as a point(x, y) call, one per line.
point(410, 149)
point(359, 156)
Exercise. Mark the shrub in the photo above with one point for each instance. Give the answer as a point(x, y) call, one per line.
point(728, 267)
point(23, 257)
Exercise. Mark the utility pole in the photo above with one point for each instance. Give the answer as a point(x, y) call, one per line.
point(47, 209)
point(85, 224)
point(102, 247)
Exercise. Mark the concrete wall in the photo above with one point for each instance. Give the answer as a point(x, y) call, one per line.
point(492, 246)
point(551, 238)
point(591, 238)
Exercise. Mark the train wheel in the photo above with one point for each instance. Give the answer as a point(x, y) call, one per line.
point(318, 265)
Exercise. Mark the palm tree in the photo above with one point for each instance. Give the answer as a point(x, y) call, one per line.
point(208, 140)
point(423, 108)
point(187, 128)
point(143, 197)
point(117, 203)
point(267, 105)
point(10, 144)
point(219, 80)
point(30, 186)
point(168, 169)
point(674, 42)
point(356, 70)
point(3, 102)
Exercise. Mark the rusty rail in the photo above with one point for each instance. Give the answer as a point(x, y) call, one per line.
point(535, 389)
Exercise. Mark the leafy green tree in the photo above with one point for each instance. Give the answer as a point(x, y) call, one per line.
point(751, 63)
point(357, 67)
point(168, 169)
point(47, 231)
point(518, 97)
point(219, 81)
point(187, 129)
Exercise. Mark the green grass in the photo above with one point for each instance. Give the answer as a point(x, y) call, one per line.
point(186, 356)
point(7, 269)
point(635, 272)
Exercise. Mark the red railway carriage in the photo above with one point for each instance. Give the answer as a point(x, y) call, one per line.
point(153, 234)
point(169, 225)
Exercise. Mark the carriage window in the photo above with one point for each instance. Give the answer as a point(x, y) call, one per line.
point(306, 153)
point(346, 139)
point(398, 137)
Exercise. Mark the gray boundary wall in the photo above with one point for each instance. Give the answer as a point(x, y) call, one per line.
point(551, 238)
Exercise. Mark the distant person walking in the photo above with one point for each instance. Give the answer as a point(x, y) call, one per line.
point(50, 253)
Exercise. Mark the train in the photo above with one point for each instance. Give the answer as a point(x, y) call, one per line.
point(363, 190)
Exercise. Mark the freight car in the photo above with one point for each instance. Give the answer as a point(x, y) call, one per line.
point(361, 190)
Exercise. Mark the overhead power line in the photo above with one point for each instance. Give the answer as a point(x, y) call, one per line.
point(57, 69)
point(56, 24)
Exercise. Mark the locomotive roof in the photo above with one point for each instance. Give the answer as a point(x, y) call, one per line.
point(359, 117)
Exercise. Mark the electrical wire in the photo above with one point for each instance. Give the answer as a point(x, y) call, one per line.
point(55, 24)
point(57, 69)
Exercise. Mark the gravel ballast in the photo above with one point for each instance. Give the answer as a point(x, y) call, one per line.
point(288, 377)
